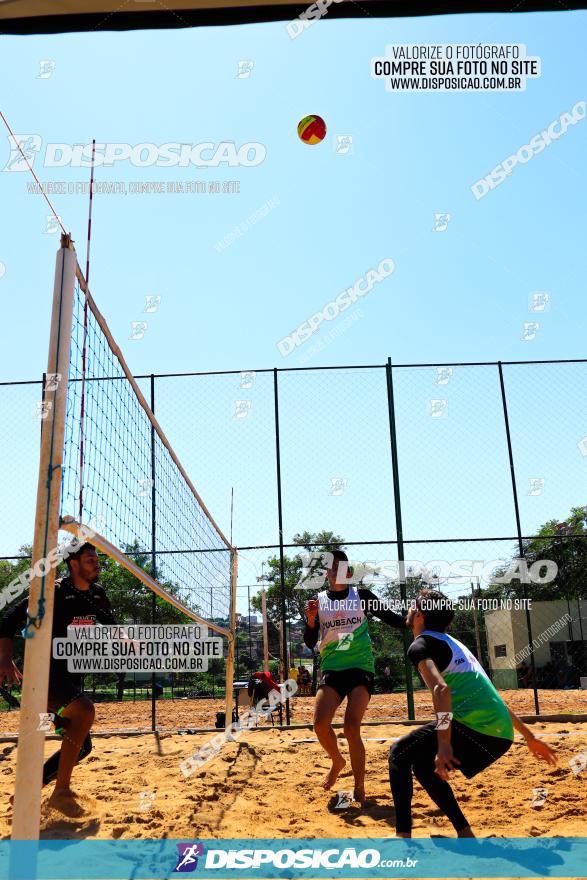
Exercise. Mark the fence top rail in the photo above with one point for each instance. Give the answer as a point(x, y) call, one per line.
point(325, 367)
point(363, 367)
point(300, 547)
point(24, 382)
point(380, 542)
point(376, 543)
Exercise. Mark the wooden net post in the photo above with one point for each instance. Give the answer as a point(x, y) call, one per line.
point(31, 740)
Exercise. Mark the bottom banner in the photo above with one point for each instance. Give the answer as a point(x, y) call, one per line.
point(350, 857)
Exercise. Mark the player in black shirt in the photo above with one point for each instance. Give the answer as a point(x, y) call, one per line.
point(79, 600)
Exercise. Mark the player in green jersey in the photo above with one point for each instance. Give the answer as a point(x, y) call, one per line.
point(337, 621)
point(473, 726)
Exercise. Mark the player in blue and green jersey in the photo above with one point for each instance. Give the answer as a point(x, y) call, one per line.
point(473, 726)
point(337, 621)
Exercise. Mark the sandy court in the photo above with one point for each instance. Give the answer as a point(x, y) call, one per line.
point(268, 784)
point(202, 712)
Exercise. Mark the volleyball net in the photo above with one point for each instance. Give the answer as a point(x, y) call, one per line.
point(121, 473)
point(108, 472)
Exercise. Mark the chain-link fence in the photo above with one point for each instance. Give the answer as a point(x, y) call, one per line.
point(457, 470)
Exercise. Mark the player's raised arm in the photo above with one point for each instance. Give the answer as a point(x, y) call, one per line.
point(373, 605)
point(312, 628)
point(537, 746)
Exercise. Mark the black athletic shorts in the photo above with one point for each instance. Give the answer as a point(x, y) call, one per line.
point(343, 681)
point(63, 690)
point(476, 751)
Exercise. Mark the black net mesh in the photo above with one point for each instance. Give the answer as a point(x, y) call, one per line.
point(119, 475)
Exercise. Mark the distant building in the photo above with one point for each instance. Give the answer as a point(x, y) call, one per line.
point(558, 642)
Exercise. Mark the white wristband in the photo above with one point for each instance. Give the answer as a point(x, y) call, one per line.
point(443, 720)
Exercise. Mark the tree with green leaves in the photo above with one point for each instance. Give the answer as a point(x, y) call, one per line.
point(565, 544)
point(295, 599)
point(130, 599)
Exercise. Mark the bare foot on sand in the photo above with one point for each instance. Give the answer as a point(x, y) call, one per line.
point(359, 794)
point(466, 832)
point(66, 801)
point(333, 773)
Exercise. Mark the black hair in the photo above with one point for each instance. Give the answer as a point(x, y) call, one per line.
point(76, 555)
point(437, 609)
point(340, 555)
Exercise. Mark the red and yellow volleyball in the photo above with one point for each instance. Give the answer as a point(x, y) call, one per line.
point(312, 129)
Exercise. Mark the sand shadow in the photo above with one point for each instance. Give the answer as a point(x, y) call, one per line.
point(240, 784)
point(544, 853)
point(7, 751)
point(380, 811)
point(62, 829)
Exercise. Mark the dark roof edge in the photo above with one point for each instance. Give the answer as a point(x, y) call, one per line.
point(170, 18)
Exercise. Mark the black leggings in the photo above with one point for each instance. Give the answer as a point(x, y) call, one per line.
point(417, 752)
point(51, 765)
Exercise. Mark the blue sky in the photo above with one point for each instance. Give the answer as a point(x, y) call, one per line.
point(457, 295)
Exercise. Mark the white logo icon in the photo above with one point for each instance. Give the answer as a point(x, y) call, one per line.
point(52, 381)
point(536, 486)
point(443, 721)
point(337, 485)
point(244, 70)
point(443, 375)
point(144, 487)
point(344, 641)
point(29, 144)
point(152, 303)
point(438, 409)
point(313, 572)
point(530, 330)
point(52, 224)
point(146, 799)
point(344, 144)
point(242, 408)
point(345, 800)
point(138, 329)
point(42, 409)
point(578, 763)
point(441, 222)
point(539, 302)
point(247, 379)
point(46, 68)
point(45, 720)
point(539, 796)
